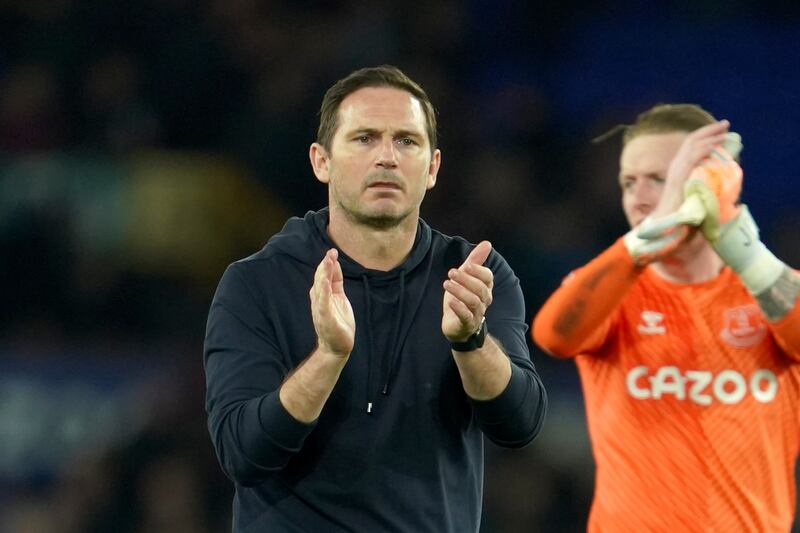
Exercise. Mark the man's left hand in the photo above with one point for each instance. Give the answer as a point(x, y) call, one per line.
point(468, 293)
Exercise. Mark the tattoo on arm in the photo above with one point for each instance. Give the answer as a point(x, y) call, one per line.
point(781, 298)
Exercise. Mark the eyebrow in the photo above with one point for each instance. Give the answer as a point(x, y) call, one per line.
point(408, 133)
point(648, 175)
point(398, 133)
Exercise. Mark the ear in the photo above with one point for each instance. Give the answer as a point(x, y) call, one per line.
point(433, 168)
point(320, 162)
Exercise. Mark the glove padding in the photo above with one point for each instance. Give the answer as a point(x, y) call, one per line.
point(710, 193)
point(739, 245)
point(718, 184)
point(645, 251)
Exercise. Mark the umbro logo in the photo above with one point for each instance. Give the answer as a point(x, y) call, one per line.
point(652, 323)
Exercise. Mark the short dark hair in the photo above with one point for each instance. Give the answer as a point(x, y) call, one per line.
point(667, 118)
point(381, 76)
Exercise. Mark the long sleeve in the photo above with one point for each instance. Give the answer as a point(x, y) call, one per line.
point(252, 433)
point(578, 315)
point(515, 417)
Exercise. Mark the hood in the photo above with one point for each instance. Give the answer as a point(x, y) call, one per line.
point(306, 240)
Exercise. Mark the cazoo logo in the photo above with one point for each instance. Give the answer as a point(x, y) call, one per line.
point(701, 386)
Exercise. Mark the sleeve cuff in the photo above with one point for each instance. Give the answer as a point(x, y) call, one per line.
point(506, 404)
point(283, 429)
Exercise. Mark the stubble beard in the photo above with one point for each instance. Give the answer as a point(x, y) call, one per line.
point(378, 221)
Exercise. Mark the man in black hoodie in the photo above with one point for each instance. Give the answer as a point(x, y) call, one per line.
point(364, 409)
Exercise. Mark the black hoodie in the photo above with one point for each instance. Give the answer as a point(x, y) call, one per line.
point(399, 445)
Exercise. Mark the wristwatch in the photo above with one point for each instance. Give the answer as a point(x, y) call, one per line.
point(474, 342)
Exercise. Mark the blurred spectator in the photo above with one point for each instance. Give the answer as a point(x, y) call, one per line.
point(116, 116)
point(31, 113)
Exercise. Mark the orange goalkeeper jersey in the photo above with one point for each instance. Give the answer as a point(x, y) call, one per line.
point(691, 399)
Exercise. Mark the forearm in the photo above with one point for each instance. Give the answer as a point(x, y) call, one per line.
point(786, 330)
point(254, 436)
point(772, 283)
point(261, 406)
point(515, 417)
point(781, 297)
point(484, 372)
point(566, 322)
point(506, 394)
point(779, 303)
point(308, 387)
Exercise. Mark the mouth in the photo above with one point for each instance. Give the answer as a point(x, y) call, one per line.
point(385, 185)
point(638, 217)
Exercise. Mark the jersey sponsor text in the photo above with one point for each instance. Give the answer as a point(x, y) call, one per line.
point(701, 386)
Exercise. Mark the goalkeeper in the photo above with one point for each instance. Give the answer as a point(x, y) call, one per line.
point(686, 335)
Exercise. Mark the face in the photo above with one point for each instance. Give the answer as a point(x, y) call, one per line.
point(643, 169)
point(380, 163)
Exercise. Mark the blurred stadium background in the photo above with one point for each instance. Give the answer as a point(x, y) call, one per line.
point(145, 145)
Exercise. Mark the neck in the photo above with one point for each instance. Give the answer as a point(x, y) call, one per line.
point(372, 247)
point(695, 263)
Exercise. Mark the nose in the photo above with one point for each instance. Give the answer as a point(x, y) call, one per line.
point(387, 157)
point(644, 194)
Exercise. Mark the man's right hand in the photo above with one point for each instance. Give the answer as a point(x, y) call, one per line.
point(331, 311)
point(697, 146)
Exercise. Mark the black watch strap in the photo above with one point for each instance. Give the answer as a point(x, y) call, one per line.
point(475, 341)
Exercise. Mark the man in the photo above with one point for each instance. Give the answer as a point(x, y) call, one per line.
point(687, 345)
point(365, 408)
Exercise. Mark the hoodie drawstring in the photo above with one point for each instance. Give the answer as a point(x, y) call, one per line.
point(365, 279)
point(395, 344)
